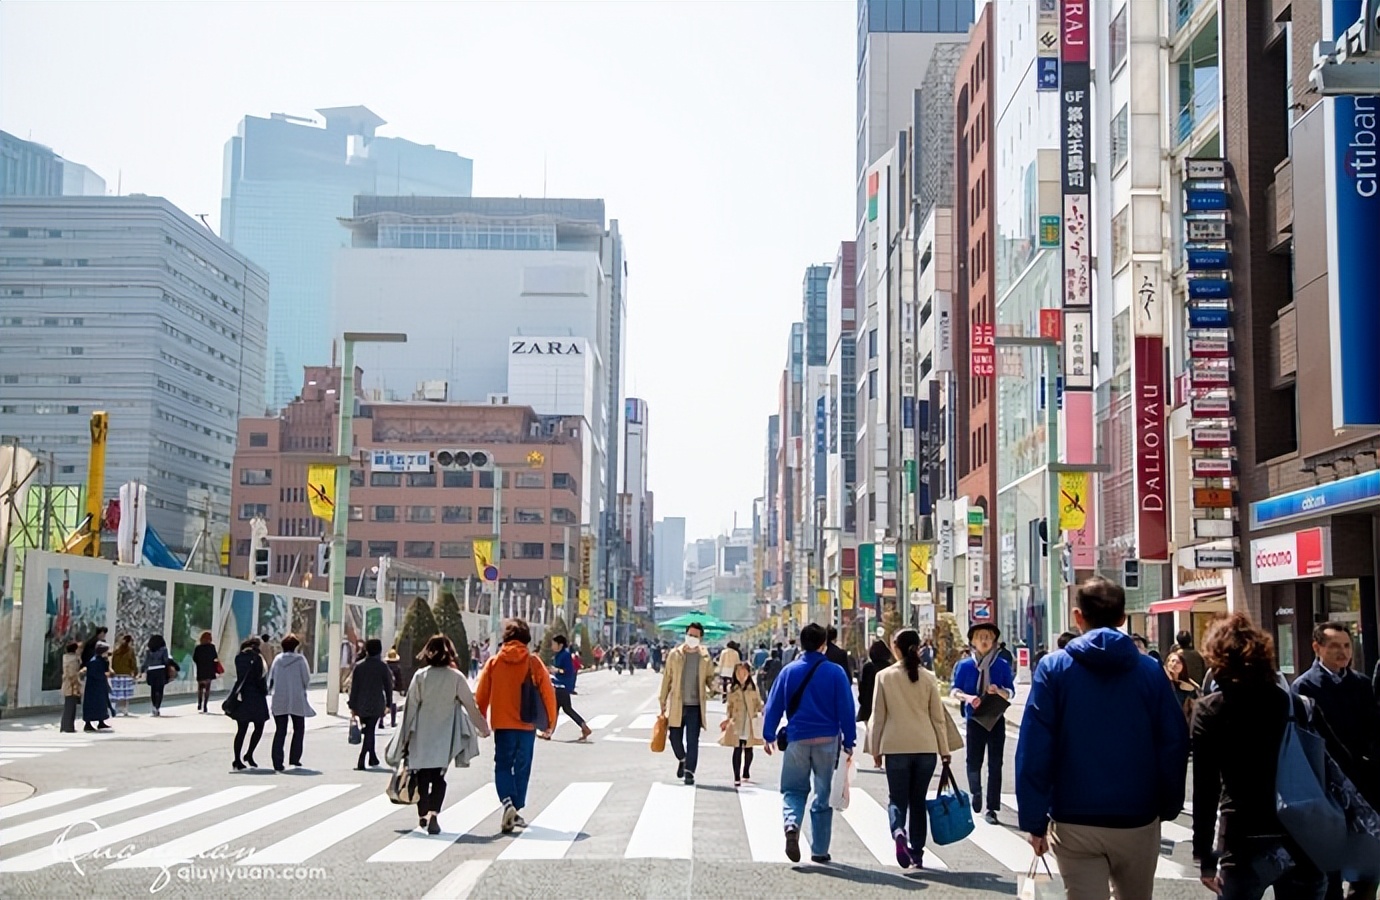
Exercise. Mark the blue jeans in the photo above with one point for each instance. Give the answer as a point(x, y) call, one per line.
point(799, 764)
point(513, 763)
point(908, 782)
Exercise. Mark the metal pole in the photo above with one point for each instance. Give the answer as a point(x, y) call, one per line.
point(344, 446)
point(569, 612)
point(1055, 611)
point(494, 621)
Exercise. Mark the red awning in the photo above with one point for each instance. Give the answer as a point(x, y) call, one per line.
point(1185, 602)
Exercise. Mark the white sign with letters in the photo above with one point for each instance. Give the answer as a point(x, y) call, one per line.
point(393, 461)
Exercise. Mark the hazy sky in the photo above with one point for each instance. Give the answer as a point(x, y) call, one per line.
point(721, 135)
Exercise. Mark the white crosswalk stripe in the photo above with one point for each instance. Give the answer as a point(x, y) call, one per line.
point(45, 801)
point(869, 821)
point(59, 821)
point(303, 845)
point(551, 833)
point(418, 846)
point(665, 828)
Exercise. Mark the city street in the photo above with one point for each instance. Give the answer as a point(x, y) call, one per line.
point(155, 806)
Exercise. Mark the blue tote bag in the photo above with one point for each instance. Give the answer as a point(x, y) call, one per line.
point(950, 812)
point(1307, 810)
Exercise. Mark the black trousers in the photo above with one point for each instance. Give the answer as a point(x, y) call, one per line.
point(367, 725)
point(1355, 890)
point(1249, 869)
point(69, 714)
point(685, 740)
point(563, 701)
point(158, 679)
point(299, 726)
point(742, 761)
point(993, 743)
point(241, 730)
point(431, 790)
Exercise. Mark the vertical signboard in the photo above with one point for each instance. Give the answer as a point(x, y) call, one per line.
point(1151, 458)
point(984, 350)
point(1351, 169)
point(943, 331)
point(867, 574)
point(1047, 46)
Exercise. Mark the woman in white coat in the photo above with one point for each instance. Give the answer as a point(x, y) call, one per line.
point(435, 730)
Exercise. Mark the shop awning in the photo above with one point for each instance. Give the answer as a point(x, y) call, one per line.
point(1185, 602)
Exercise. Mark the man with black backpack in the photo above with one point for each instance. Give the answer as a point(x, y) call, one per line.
point(815, 696)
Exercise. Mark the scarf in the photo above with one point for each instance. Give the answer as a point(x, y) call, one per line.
point(984, 664)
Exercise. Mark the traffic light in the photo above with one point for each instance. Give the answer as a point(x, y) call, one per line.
point(323, 559)
point(1130, 574)
point(464, 459)
point(263, 558)
point(1043, 530)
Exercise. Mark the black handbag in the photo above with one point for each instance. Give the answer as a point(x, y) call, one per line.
point(794, 704)
point(533, 710)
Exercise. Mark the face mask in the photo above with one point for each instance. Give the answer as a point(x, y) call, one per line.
point(691, 641)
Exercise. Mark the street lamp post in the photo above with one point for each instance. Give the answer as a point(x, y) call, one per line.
point(494, 621)
point(341, 514)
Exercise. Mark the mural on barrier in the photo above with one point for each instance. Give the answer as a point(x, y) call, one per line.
point(192, 610)
point(236, 624)
point(141, 608)
point(76, 607)
point(373, 623)
point(274, 616)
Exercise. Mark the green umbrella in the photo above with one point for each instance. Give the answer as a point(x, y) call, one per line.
point(704, 620)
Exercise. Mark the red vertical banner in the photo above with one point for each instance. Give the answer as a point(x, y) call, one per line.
point(1152, 458)
point(1051, 324)
point(1073, 43)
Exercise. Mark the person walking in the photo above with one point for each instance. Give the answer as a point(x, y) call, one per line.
point(927, 654)
point(908, 730)
point(981, 675)
point(442, 723)
point(686, 685)
point(815, 697)
point(1348, 705)
point(124, 668)
point(1194, 665)
point(836, 654)
point(728, 664)
point(394, 664)
point(1241, 847)
point(1101, 699)
point(563, 674)
point(288, 680)
point(71, 686)
point(95, 700)
point(740, 727)
point(770, 670)
point(1185, 689)
point(878, 658)
point(371, 687)
point(208, 669)
point(251, 691)
point(158, 669)
point(88, 648)
point(499, 695)
point(759, 656)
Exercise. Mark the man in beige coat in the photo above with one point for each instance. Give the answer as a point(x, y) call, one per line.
point(687, 682)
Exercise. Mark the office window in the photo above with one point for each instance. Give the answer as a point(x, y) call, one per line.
point(486, 515)
point(383, 548)
point(872, 385)
point(421, 479)
point(529, 480)
point(422, 515)
point(383, 513)
point(258, 438)
point(256, 476)
point(453, 479)
point(457, 515)
point(419, 549)
point(356, 478)
point(563, 480)
point(529, 516)
point(1121, 238)
point(455, 550)
point(1121, 140)
point(242, 547)
point(560, 516)
point(486, 479)
point(385, 479)
point(356, 514)
point(1118, 38)
point(558, 551)
point(353, 548)
point(251, 510)
point(524, 550)
point(872, 343)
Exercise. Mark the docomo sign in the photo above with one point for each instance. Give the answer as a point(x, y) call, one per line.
point(1290, 557)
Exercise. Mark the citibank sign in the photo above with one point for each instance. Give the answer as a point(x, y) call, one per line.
point(1292, 557)
point(543, 348)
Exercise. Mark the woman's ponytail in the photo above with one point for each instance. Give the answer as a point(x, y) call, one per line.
point(907, 640)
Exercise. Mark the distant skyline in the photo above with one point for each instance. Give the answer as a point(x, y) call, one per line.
point(721, 135)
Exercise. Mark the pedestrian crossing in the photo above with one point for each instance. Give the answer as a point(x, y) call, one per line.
point(277, 825)
point(38, 744)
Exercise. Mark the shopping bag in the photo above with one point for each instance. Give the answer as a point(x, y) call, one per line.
point(355, 736)
point(951, 811)
point(1037, 885)
point(659, 734)
point(402, 787)
point(1308, 812)
point(955, 736)
point(843, 778)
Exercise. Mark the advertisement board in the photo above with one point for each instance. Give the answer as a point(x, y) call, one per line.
point(1293, 556)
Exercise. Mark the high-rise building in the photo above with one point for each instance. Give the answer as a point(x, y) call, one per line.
point(635, 588)
point(668, 539)
point(771, 505)
point(287, 182)
point(128, 305)
point(841, 370)
point(28, 169)
point(814, 482)
point(523, 301)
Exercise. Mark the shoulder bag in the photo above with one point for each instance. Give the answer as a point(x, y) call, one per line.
point(1309, 813)
point(951, 810)
point(794, 704)
point(533, 709)
point(231, 704)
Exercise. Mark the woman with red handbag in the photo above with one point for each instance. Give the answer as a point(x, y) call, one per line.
point(208, 666)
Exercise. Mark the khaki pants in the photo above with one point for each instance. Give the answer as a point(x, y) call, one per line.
point(1097, 863)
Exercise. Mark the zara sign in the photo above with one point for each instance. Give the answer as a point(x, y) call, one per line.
point(543, 347)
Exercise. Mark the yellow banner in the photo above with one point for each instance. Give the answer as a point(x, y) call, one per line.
point(584, 601)
point(610, 609)
point(824, 598)
point(558, 591)
point(484, 559)
point(848, 592)
point(919, 567)
point(1073, 500)
point(321, 490)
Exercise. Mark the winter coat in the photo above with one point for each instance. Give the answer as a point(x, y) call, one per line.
point(907, 716)
point(728, 659)
point(438, 724)
point(288, 679)
point(499, 692)
point(204, 658)
point(123, 661)
point(159, 663)
point(1350, 709)
point(370, 688)
point(671, 683)
point(744, 703)
point(826, 707)
point(95, 701)
point(252, 687)
point(71, 675)
point(1098, 700)
point(395, 670)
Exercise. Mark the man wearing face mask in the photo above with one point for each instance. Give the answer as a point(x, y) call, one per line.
point(686, 683)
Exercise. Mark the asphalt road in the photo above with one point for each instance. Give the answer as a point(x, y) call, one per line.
point(155, 806)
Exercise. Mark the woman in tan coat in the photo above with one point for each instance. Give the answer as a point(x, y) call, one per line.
point(71, 687)
point(909, 730)
point(742, 730)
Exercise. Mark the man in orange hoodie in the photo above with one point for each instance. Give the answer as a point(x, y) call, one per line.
point(500, 698)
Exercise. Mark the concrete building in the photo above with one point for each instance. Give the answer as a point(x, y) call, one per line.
point(128, 305)
point(771, 515)
point(507, 287)
point(28, 169)
point(668, 568)
point(287, 180)
point(404, 506)
point(814, 474)
point(635, 586)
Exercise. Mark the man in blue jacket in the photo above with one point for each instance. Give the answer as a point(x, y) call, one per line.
point(986, 672)
point(1103, 754)
point(815, 696)
point(562, 670)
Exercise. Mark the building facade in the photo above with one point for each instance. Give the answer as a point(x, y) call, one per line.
point(287, 180)
point(28, 169)
point(128, 305)
point(638, 566)
point(668, 568)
